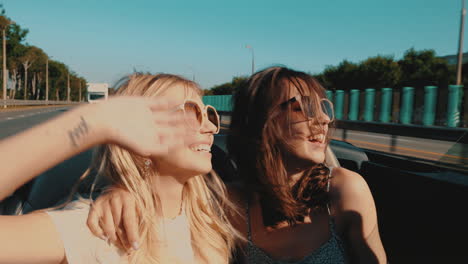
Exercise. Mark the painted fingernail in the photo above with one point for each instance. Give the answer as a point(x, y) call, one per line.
point(135, 245)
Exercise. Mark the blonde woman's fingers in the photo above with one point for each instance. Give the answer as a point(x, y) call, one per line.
point(169, 119)
point(172, 137)
point(93, 223)
point(116, 210)
point(162, 104)
point(122, 241)
point(107, 224)
point(130, 222)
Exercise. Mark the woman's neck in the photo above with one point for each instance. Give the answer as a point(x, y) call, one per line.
point(169, 190)
point(294, 176)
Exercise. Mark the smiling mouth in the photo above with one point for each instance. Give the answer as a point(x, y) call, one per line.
point(204, 148)
point(318, 139)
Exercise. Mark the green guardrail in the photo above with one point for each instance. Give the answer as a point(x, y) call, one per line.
point(353, 105)
point(407, 101)
point(430, 101)
point(329, 95)
point(426, 112)
point(222, 103)
point(386, 105)
point(339, 104)
point(369, 94)
point(454, 105)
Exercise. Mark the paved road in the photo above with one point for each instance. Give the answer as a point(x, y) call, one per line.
point(435, 150)
point(12, 122)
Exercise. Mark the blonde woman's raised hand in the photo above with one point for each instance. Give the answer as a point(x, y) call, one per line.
point(114, 217)
point(146, 126)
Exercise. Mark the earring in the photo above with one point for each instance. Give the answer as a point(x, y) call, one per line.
point(147, 163)
point(147, 168)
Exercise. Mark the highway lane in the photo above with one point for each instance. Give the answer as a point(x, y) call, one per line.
point(12, 122)
point(435, 150)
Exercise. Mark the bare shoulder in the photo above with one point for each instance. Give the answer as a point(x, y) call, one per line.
point(356, 215)
point(351, 199)
point(348, 186)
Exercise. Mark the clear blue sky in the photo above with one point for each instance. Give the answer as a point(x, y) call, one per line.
point(103, 40)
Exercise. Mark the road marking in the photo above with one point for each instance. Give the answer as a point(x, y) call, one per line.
point(403, 148)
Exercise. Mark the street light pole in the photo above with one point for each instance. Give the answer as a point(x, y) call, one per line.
point(79, 87)
point(193, 72)
point(253, 57)
point(47, 81)
point(460, 44)
point(5, 76)
point(68, 87)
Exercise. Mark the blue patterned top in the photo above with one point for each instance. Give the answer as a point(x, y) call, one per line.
point(332, 251)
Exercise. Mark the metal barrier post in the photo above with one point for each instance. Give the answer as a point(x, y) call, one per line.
point(407, 101)
point(386, 105)
point(430, 100)
point(222, 103)
point(228, 103)
point(329, 94)
point(339, 104)
point(369, 104)
point(353, 105)
point(454, 104)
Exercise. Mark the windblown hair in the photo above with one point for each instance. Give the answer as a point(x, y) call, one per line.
point(204, 197)
point(257, 143)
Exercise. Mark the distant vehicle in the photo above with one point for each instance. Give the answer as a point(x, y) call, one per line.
point(97, 91)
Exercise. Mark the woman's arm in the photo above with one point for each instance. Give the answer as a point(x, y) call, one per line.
point(35, 150)
point(138, 124)
point(141, 125)
point(30, 238)
point(114, 216)
point(354, 208)
point(112, 211)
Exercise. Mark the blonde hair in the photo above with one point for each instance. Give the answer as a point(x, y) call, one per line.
point(204, 197)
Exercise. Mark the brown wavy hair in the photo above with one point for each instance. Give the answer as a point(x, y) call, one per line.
point(256, 143)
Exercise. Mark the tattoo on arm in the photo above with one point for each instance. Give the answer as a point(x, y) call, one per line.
point(78, 132)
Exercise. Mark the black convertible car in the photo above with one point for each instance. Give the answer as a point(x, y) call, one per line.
point(421, 208)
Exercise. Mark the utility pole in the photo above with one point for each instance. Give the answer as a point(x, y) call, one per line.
point(5, 75)
point(5, 23)
point(47, 81)
point(460, 44)
point(79, 87)
point(193, 73)
point(68, 87)
point(253, 57)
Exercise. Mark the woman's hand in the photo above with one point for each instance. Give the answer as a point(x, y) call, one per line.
point(114, 216)
point(146, 126)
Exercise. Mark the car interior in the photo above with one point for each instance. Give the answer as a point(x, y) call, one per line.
point(401, 208)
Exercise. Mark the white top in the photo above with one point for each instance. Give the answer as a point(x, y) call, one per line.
point(82, 247)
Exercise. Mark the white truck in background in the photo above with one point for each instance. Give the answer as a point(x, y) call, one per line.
point(97, 91)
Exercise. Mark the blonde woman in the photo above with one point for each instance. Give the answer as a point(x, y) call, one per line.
point(154, 141)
